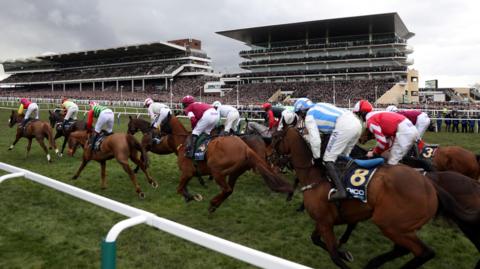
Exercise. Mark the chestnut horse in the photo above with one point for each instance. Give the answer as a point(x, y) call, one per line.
point(447, 158)
point(118, 146)
point(225, 156)
point(56, 120)
point(400, 202)
point(35, 129)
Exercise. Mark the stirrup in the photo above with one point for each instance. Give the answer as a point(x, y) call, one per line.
point(332, 192)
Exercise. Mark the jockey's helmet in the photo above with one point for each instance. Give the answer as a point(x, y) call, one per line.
point(187, 100)
point(92, 104)
point(302, 104)
point(288, 116)
point(363, 106)
point(391, 109)
point(147, 102)
point(267, 106)
point(64, 99)
point(23, 100)
point(216, 104)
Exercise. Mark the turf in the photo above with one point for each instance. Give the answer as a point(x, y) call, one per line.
point(42, 228)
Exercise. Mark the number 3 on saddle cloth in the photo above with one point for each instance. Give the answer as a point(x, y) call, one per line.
point(425, 151)
point(357, 175)
point(200, 149)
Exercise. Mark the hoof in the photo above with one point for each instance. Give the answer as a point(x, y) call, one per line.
point(60, 154)
point(212, 209)
point(347, 256)
point(57, 152)
point(11, 147)
point(154, 184)
point(74, 177)
point(141, 195)
point(49, 159)
point(197, 197)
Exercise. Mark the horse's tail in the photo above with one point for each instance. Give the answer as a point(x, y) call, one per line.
point(134, 144)
point(274, 182)
point(48, 133)
point(450, 208)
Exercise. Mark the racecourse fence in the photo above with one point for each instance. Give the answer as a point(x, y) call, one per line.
point(137, 216)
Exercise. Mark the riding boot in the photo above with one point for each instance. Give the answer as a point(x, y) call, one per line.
point(191, 146)
point(93, 139)
point(340, 192)
point(63, 124)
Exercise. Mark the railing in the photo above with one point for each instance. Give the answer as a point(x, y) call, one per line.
point(137, 216)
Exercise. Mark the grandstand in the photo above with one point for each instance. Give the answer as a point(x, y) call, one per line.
point(126, 72)
point(353, 57)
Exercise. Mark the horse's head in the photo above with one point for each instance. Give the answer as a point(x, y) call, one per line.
point(166, 125)
point(54, 117)
point(14, 119)
point(132, 127)
point(366, 136)
point(77, 138)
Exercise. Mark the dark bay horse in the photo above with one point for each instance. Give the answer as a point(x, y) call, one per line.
point(401, 201)
point(119, 146)
point(35, 129)
point(56, 120)
point(227, 156)
point(447, 158)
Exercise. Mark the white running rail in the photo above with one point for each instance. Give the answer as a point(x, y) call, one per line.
point(138, 216)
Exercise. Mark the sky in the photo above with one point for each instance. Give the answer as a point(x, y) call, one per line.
point(446, 42)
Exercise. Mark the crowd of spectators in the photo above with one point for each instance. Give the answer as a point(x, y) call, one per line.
point(322, 43)
point(325, 58)
point(352, 70)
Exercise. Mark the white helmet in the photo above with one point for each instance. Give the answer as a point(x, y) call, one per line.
point(216, 104)
point(288, 117)
point(148, 102)
point(391, 109)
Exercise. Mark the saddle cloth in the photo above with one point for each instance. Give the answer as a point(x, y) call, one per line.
point(357, 175)
point(201, 147)
point(101, 137)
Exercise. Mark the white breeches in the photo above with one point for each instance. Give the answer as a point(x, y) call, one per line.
point(348, 129)
point(105, 121)
point(207, 122)
point(405, 137)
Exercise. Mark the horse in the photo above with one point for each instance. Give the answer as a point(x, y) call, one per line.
point(447, 158)
point(225, 156)
point(401, 201)
point(35, 129)
point(56, 119)
point(119, 146)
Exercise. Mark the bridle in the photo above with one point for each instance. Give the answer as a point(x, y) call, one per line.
point(277, 140)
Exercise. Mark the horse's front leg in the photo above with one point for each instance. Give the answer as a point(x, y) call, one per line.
point(29, 146)
point(63, 146)
point(103, 174)
point(182, 187)
point(330, 244)
point(82, 165)
point(16, 140)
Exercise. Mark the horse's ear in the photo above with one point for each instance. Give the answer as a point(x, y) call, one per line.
point(129, 116)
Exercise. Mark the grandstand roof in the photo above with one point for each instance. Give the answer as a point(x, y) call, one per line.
point(123, 51)
point(348, 26)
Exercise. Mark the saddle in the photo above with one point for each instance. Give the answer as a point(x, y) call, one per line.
point(68, 125)
point(357, 175)
point(101, 137)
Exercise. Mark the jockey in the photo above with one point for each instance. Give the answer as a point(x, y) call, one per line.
point(157, 112)
point(273, 114)
point(72, 110)
point(104, 117)
point(203, 118)
point(345, 130)
point(418, 118)
point(30, 107)
point(391, 130)
point(231, 114)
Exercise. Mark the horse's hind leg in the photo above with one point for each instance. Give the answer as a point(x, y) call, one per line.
point(226, 191)
point(133, 178)
point(142, 166)
point(44, 147)
point(406, 242)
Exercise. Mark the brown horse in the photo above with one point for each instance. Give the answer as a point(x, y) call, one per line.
point(447, 158)
point(226, 156)
point(35, 129)
point(118, 146)
point(400, 202)
point(56, 119)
